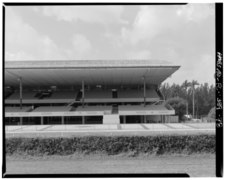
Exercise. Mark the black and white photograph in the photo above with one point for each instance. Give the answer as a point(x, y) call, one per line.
point(111, 90)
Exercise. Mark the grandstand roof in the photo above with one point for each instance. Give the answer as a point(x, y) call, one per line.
point(44, 73)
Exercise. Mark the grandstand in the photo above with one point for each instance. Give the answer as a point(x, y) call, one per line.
point(85, 92)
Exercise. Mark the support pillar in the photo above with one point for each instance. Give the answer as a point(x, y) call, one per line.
point(62, 120)
point(42, 120)
point(145, 119)
point(124, 119)
point(144, 91)
point(83, 119)
point(83, 93)
point(21, 120)
point(21, 89)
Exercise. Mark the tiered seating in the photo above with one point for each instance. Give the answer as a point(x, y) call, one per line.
point(25, 95)
point(151, 93)
point(94, 108)
point(43, 94)
point(141, 107)
point(96, 94)
point(17, 109)
point(54, 95)
point(7, 93)
point(130, 93)
point(52, 108)
point(63, 95)
point(93, 95)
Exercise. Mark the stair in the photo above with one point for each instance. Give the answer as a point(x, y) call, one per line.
point(160, 94)
point(114, 110)
point(79, 96)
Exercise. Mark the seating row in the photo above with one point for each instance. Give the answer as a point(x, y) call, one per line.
point(94, 94)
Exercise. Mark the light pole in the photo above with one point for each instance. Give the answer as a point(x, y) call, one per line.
point(193, 101)
point(193, 97)
point(187, 109)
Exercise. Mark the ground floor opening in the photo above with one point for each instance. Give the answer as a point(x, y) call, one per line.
point(91, 119)
point(142, 119)
point(53, 120)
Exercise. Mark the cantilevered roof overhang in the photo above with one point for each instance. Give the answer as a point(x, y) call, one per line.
point(92, 72)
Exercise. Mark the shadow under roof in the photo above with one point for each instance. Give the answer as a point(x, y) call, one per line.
point(93, 72)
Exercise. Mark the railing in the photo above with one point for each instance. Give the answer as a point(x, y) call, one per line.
point(79, 96)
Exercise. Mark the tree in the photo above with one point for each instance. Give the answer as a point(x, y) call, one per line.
point(212, 113)
point(201, 98)
point(179, 104)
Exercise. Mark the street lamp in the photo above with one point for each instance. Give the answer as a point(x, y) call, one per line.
point(193, 97)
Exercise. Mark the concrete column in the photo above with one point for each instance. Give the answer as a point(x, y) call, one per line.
point(144, 91)
point(83, 93)
point(145, 119)
point(21, 120)
point(21, 89)
point(42, 121)
point(62, 120)
point(83, 119)
point(124, 119)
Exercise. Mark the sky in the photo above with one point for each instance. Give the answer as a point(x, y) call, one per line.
point(180, 34)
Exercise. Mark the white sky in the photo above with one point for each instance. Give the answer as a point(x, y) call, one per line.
point(182, 35)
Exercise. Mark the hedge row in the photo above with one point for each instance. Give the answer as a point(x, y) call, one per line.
point(111, 145)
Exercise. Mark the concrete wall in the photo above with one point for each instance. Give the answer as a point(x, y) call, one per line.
point(111, 119)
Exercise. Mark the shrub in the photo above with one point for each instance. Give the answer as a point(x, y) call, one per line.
point(112, 145)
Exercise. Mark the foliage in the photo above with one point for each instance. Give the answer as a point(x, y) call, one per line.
point(111, 145)
point(204, 95)
point(212, 113)
point(179, 105)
